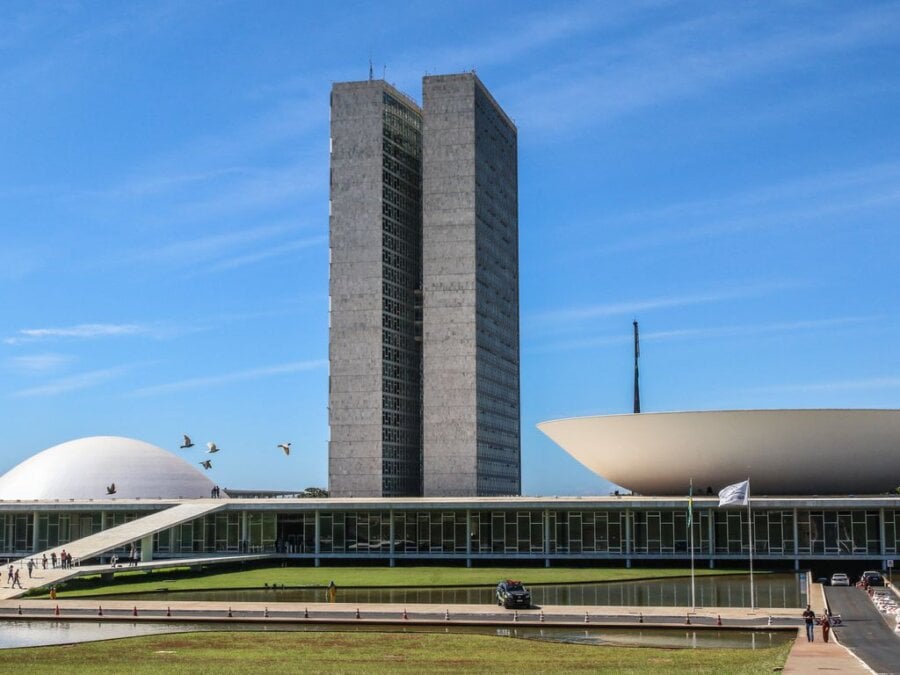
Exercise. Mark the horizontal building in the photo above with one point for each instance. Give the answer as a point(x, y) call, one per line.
point(551, 531)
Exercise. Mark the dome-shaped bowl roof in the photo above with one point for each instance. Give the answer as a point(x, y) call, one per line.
point(81, 469)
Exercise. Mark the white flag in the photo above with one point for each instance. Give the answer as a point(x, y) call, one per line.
point(739, 493)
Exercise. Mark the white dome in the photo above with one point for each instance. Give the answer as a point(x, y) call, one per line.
point(81, 469)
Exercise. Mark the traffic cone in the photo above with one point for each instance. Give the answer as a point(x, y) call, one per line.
point(266, 613)
point(641, 618)
point(687, 619)
point(541, 616)
point(229, 612)
point(99, 611)
point(447, 615)
point(516, 615)
point(357, 612)
point(405, 615)
point(168, 611)
point(57, 611)
point(586, 618)
point(770, 620)
point(305, 613)
point(719, 620)
point(134, 611)
point(20, 609)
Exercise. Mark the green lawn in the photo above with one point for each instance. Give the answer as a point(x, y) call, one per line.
point(183, 579)
point(228, 652)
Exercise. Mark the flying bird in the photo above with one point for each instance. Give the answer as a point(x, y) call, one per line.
point(212, 447)
point(111, 489)
point(286, 447)
point(206, 464)
point(188, 443)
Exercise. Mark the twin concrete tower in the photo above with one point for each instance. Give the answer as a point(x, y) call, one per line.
point(424, 292)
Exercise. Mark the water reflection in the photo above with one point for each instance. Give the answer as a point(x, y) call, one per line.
point(39, 633)
point(42, 633)
point(772, 590)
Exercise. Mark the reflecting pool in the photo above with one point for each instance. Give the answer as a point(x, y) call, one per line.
point(772, 590)
point(41, 633)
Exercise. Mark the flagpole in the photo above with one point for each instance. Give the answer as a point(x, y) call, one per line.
point(750, 529)
point(691, 528)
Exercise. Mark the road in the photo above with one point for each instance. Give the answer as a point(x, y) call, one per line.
point(865, 630)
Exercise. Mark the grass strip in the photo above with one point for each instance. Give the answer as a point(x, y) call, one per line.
point(228, 652)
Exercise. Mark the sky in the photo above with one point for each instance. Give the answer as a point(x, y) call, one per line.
point(726, 173)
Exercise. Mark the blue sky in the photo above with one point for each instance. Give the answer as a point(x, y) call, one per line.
point(728, 173)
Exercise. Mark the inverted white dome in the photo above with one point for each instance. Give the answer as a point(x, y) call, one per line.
point(782, 452)
point(81, 469)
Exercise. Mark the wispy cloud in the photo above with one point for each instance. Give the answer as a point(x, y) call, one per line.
point(37, 363)
point(587, 312)
point(839, 198)
point(84, 331)
point(77, 382)
point(874, 383)
point(236, 376)
point(685, 57)
point(704, 333)
point(275, 251)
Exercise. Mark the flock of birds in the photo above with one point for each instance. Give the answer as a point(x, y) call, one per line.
point(211, 448)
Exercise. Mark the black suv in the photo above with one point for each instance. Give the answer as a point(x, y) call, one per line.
point(512, 594)
point(872, 578)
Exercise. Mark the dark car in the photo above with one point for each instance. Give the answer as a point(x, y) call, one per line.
point(513, 594)
point(872, 579)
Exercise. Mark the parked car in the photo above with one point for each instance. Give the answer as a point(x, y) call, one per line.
point(513, 594)
point(840, 579)
point(872, 578)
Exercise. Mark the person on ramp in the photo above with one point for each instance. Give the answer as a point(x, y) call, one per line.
point(809, 617)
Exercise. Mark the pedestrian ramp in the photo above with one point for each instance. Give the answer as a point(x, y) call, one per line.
point(96, 544)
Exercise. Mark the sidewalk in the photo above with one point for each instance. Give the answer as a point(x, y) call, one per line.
point(818, 656)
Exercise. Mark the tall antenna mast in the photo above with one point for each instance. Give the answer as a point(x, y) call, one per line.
point(637, 353)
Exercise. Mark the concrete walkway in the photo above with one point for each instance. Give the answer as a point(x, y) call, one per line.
point(712, 618)
point(42, 578)
point(818, 656)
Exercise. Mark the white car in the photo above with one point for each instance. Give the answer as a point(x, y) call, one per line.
point(840, 579)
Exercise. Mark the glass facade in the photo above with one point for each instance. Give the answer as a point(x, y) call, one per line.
point(497, 303)
point(558, 533)
point(401, 316)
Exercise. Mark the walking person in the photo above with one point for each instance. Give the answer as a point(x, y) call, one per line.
point(44, 561)
point(63, 560)
point(16, 580)
point(30, 566)
point(826, 624)
point(53, 559)
point(9, 578)
point(810, 617)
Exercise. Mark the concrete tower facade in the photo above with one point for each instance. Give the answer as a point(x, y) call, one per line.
point(374, 407)
point(471, 292)
point(424, 330)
